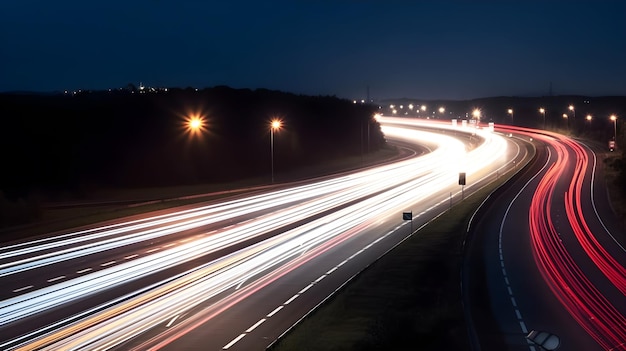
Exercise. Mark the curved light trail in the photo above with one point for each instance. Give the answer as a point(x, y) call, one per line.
point(356, 201)
point(579, 296)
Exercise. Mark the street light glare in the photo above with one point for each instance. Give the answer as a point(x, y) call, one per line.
point(195, 124)
point(276, 124)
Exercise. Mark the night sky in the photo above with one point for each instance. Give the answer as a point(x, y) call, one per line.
point(417, 49)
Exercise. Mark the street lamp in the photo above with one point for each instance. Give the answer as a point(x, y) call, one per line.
point(543, 112)
point(565, 115)
point(442, 110)
point(571, 108)
point(510, 111)
point(195, 124)
point(274, 126)
point(589, 118)
point(614, 119)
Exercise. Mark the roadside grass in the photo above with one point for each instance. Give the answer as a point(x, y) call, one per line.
point(410, 299)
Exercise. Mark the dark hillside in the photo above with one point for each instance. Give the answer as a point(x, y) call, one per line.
point(55, 144)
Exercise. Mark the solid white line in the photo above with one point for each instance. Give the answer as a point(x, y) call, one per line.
point(107, 263)
point(83, 270)
point(131, 256)
point(233, 342)
point(255, 325)
point(23, 288)
point(275, 311)
point(55, 279)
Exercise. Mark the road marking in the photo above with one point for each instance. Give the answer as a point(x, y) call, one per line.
point(23, 288)
point(83, 270)
point(305, 288)
point(153, 250)
point(233, 342)
point(275, 311)
point(255, 325)
point(169, 245)
point(131, 256)
point(291, 299)
point(172, 321)
point(107, 263)
point(331, 270)
point(320, 278)
point(55, 279)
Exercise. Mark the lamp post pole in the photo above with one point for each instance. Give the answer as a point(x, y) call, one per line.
point(275, 125)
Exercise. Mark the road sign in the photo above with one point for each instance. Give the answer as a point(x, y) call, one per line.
point(462, 178)
point(407, 216)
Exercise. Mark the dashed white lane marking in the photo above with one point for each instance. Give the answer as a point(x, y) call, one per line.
point(233, 342)
point(255, 325)
point(291, 299)
point(275, 311)
point(23, 288)
point(83, 270)
point(169, 245)
point(130, 256)
point(305, 288)
point(153, 250)
point(56, 278)
point(240, 336)
point(107, 263)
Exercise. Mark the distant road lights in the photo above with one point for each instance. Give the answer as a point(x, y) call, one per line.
point(571, 108)
point(588, 118)
point(614, 119)
point(411, 107)
point(442, 110)
point(543, 112)
point(275, 125)
point(394, 111)
point(510, 111)
point(423, 107)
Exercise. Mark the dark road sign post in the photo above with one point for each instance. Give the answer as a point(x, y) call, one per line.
point(408, 216)
point(462, 183)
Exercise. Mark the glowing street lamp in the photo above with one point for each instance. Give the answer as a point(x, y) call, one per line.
point(195, 124)
point(274, 126)
point(510, 111)
point(476, 114)
point(571, 108)
point(442, 110)
point(423, 107)
point(589, 117)
point(543, 112)
point(614, 119)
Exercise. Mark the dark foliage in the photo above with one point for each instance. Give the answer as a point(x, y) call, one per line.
point(71, 142)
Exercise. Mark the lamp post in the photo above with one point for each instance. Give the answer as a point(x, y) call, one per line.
point(565, 115)
point(614, 119)
point(275, 125)
point(571, 108)
point(543, 112)
point(510, 111)
point(589, 118)
point(476, 114)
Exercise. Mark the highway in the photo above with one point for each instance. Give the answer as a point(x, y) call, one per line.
point(550, 253)
point(236, 273)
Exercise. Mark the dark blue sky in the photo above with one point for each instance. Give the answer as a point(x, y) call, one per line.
point(417, 49)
